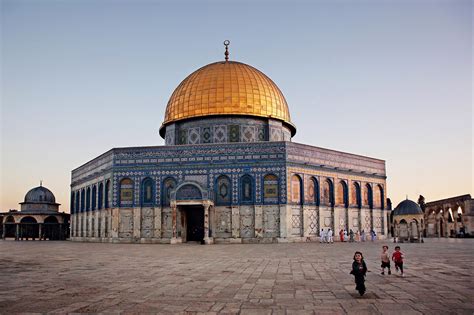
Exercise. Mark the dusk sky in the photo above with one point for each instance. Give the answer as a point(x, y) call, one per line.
point(386, 79)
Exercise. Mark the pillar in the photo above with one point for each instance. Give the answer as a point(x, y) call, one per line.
point(3, 231)
point(285, 221)
point(17, 232)
point(258, 221)
point(157, 232)
point(137, 214)
point(115, 220)
point(174, 214)
point(40, 236)
point(235, 222)
point(306, 222)
point(207, 239)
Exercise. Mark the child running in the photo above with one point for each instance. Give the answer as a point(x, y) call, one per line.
point(359, 269)
point(385, 260)
point(397, 257)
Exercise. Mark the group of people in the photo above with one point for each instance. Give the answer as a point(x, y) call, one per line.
point(328, 236)
point(359, 268)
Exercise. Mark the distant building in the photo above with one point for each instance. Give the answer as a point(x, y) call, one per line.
point(450, 217)
point(228, 173)
point(407, 220)
point(39, 218)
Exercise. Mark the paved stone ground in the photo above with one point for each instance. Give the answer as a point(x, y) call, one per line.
point(305, 278)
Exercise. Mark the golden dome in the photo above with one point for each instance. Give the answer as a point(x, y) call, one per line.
point(227, 88)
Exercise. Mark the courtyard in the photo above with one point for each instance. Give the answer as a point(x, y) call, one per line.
point(294, 278)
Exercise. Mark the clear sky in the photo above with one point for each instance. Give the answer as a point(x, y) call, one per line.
point(386, 79)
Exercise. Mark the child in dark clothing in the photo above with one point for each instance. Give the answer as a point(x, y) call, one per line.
point(359, 269)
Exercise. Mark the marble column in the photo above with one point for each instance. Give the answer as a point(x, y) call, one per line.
point(207, 239)
point(174, 214)
point(17, 232)
point(235, 222)
point(39, 231)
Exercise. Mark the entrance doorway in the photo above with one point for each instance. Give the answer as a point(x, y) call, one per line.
point(194, 218)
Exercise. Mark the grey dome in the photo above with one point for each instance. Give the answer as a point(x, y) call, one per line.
point(407, 207)
point(40, 194)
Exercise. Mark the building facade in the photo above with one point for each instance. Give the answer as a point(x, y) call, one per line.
point(228, 173)
point(450, 217)
point(38, 219)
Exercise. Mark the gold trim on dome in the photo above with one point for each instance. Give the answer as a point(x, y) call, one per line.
point(227, 88)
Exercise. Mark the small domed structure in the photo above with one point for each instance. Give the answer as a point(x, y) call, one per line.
point(39, 218)
point(407, 207)
point(39, 199)
point(40, 194)
point(408, 221)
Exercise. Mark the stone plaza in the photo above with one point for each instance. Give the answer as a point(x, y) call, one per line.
point(285, 278)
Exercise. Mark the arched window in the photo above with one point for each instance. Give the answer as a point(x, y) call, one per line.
point(313, 191)
point(101, 196)
point(72, 203)
point(94, 197)
point(270, 189)
point(328, 193)
point(355, 195)
point(342, 195)
point(83, 200)
point(368, 200)
point(88, 199)
point(381, 197)
point(148, 191)
point(76, 201)
point(246, 193)
point(168, 185)
point(296, 189)
point(126, 192)
point(107, 194)
point(223, 191)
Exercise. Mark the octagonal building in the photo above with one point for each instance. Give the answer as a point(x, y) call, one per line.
point(228, 173)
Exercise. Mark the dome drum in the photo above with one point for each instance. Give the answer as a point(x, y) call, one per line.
point(224, 129)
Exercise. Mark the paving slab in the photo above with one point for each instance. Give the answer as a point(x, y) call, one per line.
point(300, 278)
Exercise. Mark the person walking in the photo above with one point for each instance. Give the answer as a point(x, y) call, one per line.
point(351, 236)
point(322, 237)
point(397, 258)
point(362, 236)
point(341, 235)
point(359, 269)
point(372, 235)
point(330, 236)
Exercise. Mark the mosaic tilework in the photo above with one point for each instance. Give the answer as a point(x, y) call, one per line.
point(234, 133)
point(313, 221)
point(220, 134)
point(182, 137)
point(194, 136)
point(206, 135)
point(260, 134)
point(296, 221)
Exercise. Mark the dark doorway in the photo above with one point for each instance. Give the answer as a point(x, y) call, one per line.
point(194, 223)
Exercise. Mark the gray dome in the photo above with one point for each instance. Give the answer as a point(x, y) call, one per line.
point(407, 207)
point(40, 194)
